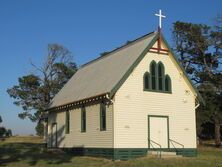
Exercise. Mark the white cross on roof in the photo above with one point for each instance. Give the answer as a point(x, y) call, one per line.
point(160, 18)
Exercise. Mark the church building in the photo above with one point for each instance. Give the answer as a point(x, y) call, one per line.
point(127, 103)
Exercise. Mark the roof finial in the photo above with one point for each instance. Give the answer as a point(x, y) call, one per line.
point(160, 19)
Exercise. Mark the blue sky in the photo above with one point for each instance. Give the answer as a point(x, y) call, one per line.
point(86, 28)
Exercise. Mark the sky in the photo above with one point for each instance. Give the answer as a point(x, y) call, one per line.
point(87, 28)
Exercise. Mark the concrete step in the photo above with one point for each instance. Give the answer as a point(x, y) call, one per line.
point(164, 154)
point(171, 156)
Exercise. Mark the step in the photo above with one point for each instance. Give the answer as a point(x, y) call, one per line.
point(162, 153)
point(171, 156)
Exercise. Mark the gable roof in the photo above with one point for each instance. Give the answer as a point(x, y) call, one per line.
point(106, 74)
point(101, 75)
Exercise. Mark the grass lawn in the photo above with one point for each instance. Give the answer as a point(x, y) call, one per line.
point(28, 151)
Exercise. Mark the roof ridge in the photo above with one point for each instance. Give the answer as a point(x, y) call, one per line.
point(117, 49)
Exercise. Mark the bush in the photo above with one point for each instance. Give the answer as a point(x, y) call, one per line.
point(8, 133)
point(2, 132)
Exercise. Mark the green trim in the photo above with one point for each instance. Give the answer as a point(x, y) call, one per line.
point(157, 91)
point(169, 83)
point(161, 76)
point(67, 122)
point(125, 153)
point(95, 152)
point(129, 153)
point(102, 106)
point(83, 119)
point(183, 70)
point(168, 130)
point(153, 64)
point(157, 77)
point(146, 78)
point(129, 71)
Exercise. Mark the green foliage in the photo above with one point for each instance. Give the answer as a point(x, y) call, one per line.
point(39, 129)
point(199, 49)
point(26, 94)
point(35, 91)
point(8, 133)
point(2, 131)
point(0, 119)
point(191, 43)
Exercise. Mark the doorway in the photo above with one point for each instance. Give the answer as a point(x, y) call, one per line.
point(158, 131)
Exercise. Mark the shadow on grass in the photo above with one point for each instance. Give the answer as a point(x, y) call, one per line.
point(30, 153)
point(209, 145)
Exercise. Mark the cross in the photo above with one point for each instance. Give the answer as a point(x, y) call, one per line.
point(160, 18)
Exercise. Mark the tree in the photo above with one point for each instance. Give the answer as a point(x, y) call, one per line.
point(199, 50)
point(8, 133)
point(39, 129)
point(35, 91)
point(0, 119)
point(2, 132)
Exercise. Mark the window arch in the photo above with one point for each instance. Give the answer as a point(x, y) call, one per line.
point(146, 80)
point(167, 83)
point(160, 76)
point(153, 72)
point(156, 80)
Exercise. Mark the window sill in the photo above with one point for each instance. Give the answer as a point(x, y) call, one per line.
point(157, 91)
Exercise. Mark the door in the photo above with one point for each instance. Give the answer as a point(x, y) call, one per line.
point(158, 133)
point(54, 135)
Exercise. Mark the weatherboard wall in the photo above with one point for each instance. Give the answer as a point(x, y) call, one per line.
point(132, 105)
point(93, 137)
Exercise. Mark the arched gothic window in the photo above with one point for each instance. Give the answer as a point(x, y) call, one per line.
point(153, 73)
point(146, 81)
point(167, 83)
point(160, 76)
point(156, 80)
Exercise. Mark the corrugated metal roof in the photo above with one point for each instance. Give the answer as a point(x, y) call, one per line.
point(102, 74)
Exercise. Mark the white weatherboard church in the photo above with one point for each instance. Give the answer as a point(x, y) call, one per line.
point(135, 99)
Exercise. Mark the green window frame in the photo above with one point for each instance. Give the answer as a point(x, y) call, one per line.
point(83, 119)
point(168, 86)
point(153, 72)
point(102, 116)
point(146, 81)
point(155, 80)
point(67, 122)
point(160, 76)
